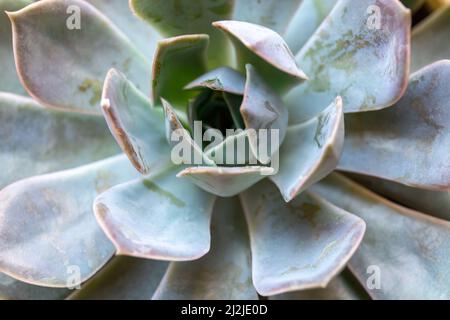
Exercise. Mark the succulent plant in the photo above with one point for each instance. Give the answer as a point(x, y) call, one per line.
point(91, 194)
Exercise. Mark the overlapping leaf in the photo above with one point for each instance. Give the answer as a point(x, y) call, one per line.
point(300, 245)
point(85, 46)
point(175, 18)
point(361, 52)
point(224, 273)
point(159, 217)
point(407, 143)
point(429, 39)
point(137, 127)
point(406, 250)
point(310, 151)
point(36, 140)
point(52, 215)
point(9, 82)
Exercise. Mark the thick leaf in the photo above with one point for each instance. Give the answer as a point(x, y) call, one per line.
point(269, 13)
point(123, 278)
point(220, 79)
point(177, 62)
point(430, 39)
point(181, 140)
point(343, 287)
point(264, 49)
point(407, 143)
point(360, 53)
point(35, 140)
point(262, 108)
point(160, 217)
point(405, 249)
point(225, 181)
point(435, 203)
point(9, 82)
point(137, 127)
point(65, 69)
point(224, 273)
point(234, 150)
point(12, 289)
point(174, 18)
point(310, 151)
point(140, 33)
point(305, 21)
point(48, 233)
point(300, 245)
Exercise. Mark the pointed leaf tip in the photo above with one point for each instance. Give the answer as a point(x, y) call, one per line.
point(310, 151)
point(266, 50)
point(137, 127)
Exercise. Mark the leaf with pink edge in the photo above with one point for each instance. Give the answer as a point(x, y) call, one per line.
point(407, 251)
point(159, 217)
point(266, 51)
point(67, 76)
point(9, 82)
point(407, 143)
point(310, 151)
point(37, 140)
point(299, 245)
point(52, 215)
point(170, 72)
point(225, 272)
point(137, 127)
point(361, 53)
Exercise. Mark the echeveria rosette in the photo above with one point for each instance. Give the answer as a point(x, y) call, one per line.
point(298, 237)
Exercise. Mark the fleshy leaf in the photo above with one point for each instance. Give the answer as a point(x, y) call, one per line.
point(220, 79)
point(310, 151)
point(178, 61)
point(123, 278)
point(300, 245)
point(47, 228)
point(9, 82)
point(269, 13)
point(225, 181)
point(407, 143)
point(361, 53)
point(264, 49)
point(435, 203)
point(12, 289)
point(407, 249)
point(262, 108)
point(343, 287)
point(137, 127)
point(140, 33)
point(175, 18)
point(430, 39)
point(66, 76)
point(36, 140)
point(230, 150)
point(160, 217)
point(224, 273)
point(305, 21)
point(174, 129)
